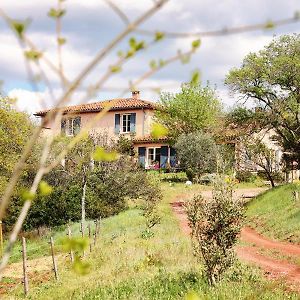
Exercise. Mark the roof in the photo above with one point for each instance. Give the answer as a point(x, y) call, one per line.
point(149, 139)
point(114, 104)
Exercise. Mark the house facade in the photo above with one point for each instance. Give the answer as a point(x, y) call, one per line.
point(130, 117)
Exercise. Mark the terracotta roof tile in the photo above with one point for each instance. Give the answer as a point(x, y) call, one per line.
point(116, 104)
point(149, 139)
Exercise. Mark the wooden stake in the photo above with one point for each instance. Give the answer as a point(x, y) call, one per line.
point(95, 233)
point(82, 235)
point(90, 236)
point(53, 258)
point(1, 240)
point(71, 251)
point(25, 276)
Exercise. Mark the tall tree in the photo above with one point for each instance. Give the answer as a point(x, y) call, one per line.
point(193, 109)
point(272, 78)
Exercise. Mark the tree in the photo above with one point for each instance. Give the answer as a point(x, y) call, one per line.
point(197, 153)
point(215, 226)
point(193, 109)
point(261, 155)
point(15, 129)
point(272, 78)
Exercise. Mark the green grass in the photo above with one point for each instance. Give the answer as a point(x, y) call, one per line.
point(276, 214)
point(126, 266)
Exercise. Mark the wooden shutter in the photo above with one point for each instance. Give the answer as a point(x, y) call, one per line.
point(117, 123)
point(76, 125)
point(63, 126)
point(132, 122)
point(142, 156)
point(173, 159)
point(163, 156)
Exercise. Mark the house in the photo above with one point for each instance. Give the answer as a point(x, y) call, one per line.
point(131, 117)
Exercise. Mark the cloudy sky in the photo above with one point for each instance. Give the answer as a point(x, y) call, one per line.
point(89, 25)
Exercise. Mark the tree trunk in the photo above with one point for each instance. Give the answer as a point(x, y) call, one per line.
point(83, 206)
point(271, 179)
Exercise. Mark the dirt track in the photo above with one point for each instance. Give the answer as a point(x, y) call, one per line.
point(274, 268)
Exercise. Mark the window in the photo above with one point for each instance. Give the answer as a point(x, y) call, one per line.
point(126, 123)
point(71, 126)
point(153, 157)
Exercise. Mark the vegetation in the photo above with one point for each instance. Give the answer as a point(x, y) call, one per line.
point(126, 266)
point(193, 109)
point(197, 153)
point(276, 213)
point(215, 226)
point(271, 77)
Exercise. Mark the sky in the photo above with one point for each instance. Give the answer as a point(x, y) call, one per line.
point(90, 25)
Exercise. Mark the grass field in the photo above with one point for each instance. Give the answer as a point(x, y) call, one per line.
point(126, 266)
point(276, 214)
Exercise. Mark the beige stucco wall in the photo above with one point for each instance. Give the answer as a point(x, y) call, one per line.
point(106, 122)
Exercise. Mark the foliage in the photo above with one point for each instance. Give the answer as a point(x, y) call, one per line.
point(197, 153)
point(271, 78)
point(215, 225)
point(15, 130)
point(193, 109)
point(125, 146)
point(245, 176)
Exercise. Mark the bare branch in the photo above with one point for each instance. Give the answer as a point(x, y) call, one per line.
point(118, 11)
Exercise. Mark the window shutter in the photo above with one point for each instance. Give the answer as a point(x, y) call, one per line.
point(163, 156)
point(173, 159)
point(63, 126)
point(117, 123)
point(76, 125)
point(132, 122)
point(142, 156)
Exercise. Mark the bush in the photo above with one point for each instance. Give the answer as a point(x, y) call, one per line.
point(197, 153)
point(245, 176)
point(215, 227)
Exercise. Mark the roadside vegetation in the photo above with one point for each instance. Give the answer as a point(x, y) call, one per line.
point(276, 213)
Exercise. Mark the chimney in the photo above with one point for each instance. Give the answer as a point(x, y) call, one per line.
point(135, 94)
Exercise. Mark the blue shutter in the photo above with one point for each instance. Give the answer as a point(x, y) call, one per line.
point(163, 156)
point(142, 156)
point(63, 126)
point(117, 123)
point(77, 125)
point(132, 122)
point(173, 159)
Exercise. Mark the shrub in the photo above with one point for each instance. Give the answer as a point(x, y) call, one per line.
point(197, 153)
point(215, 224)
point(245, 176)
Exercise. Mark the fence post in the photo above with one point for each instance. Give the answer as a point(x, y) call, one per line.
point(99, 224)
point(25, 276)
point(1, 240)
point(53, 258)
point(71, 251)
point(82, 235)
point(95, 233)
point(90, 236)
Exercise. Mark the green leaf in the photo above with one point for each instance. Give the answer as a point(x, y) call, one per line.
point(101, 155)
point(120, 53)
point(130, 53)
point(19, 27)
point(153, 64)
point(56, 13)
point(161, 62)
point(158, 131)
point(75, 244)
point(61, 41)
point(158, 36)
point(195, 78)
point(80, 267)
point(269, 25)
point(27, 195)
point(132, 42)
point(196, 44)
point(139, 46)
point(115, 69)
point(45, 188)
point(33, 55)
point(192, 296)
